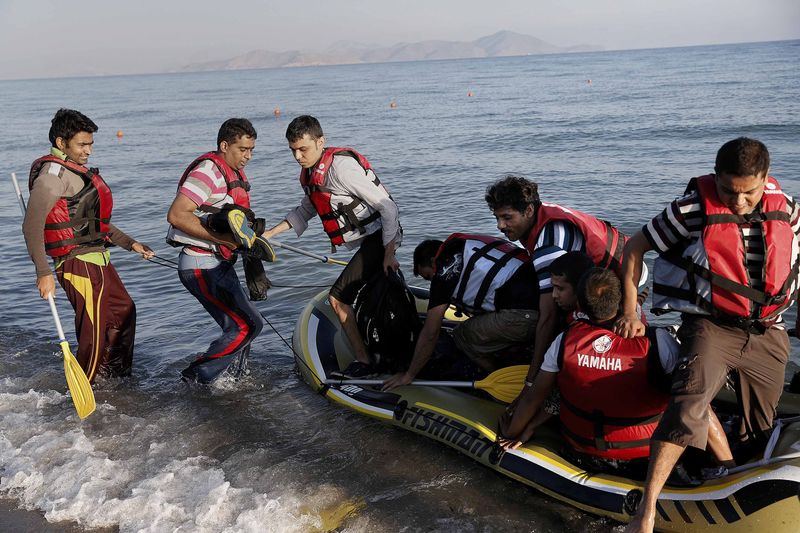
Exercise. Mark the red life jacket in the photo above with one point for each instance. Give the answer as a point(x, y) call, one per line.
point(78, 220)
point(609, 408)
point(489, 262)
point(238, 190)
point(710, 275)
point(604, 242)
point(238, 186)
point(341, 219)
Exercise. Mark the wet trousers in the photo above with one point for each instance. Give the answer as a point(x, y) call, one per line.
point(105, 317)
point(219, 291)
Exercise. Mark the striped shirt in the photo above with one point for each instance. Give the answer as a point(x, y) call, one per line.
point(556, 239)
point(205, 185)
point(682, 222)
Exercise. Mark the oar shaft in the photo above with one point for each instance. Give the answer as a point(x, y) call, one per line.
point(323, 258)
point(19, 193)
point(56, 318)
point(422, 382)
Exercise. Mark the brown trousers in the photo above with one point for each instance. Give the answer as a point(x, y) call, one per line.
point(105, 317)
point(709, 351)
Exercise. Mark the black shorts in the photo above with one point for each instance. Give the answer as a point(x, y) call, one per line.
point(365, 263)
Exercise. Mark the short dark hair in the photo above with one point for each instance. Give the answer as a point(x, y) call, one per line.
point(234, 128)
point(572, 265)
point(424, 254)
point(599, 294)
point(512, 191)
point(67, 123)
point(303, 125)
point(742, 157)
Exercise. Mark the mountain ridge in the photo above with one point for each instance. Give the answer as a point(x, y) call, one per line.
point(500, 44)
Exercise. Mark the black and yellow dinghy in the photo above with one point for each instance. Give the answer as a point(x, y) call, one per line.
point(758, 497)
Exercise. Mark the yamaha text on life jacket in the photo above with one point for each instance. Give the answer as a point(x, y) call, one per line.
point(78, 220)
point(609, 407)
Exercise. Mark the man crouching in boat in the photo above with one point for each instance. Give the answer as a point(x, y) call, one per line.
point(69, 219)
point(489, 279)
point(728, 261)
point(206, 263)
point(357, 212)
point(613, 390)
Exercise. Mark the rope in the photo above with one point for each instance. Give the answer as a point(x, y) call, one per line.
point(297, 356)
point(166, 263)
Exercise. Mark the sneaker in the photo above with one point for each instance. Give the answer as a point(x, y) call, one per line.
point(242, 232)
point(354, 370)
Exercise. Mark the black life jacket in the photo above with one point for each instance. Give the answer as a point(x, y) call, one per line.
point(387, 318)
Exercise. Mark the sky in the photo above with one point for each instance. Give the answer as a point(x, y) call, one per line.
point(54, 38)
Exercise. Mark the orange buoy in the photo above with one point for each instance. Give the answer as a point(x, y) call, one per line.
point(393, 104)
point(277, 111)
point(588, 82)
point(469, 93)
point(119, 134)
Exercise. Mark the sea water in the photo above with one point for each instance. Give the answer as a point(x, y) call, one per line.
point(616, 134)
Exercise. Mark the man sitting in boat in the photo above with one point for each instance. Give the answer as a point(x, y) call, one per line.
point(565, 273)
point(613, 390)
point(548, 231)
point(489, 279)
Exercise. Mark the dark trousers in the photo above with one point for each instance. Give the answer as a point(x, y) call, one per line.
point(709, 351)
point(105, 317)
point(219, 291)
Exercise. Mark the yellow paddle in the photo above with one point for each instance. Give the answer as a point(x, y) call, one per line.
point(505, 384)
point(79, 387)
point(78, 383)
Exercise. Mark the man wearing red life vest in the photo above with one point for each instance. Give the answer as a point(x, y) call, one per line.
point(548, 231)
point(356, 211)
point(490, 280)
point(212, 182)
point(728, 261)
point(613, 390)
point(69, 219)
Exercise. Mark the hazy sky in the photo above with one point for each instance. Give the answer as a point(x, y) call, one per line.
point(44, 38)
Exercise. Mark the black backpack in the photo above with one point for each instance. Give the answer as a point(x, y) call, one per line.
point(387, 318)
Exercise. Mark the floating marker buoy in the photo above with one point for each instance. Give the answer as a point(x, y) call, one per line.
point(119, 134)
point(469, 93)
point(277, 111)
point(393, 104)
point(588, 82)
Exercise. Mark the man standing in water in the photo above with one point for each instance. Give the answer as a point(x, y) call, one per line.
point(728, 261)
point(357, 212)
point(206, 263)
point(69, 219)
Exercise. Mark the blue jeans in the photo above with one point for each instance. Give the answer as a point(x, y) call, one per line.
point(219, 291)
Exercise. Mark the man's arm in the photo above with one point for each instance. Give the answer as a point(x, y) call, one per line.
point(47, 189)
point(422, 353)
point(181, 215)
point(630, 324)
point(546, 331)
point(516, 426)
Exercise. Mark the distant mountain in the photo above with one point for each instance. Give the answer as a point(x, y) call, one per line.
point(502, 43)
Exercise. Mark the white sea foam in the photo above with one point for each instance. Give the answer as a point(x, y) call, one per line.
point(127, 477)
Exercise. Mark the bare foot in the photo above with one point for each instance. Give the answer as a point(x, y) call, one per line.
point(641, 524)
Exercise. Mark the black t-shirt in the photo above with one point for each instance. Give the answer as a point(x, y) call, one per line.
point(521, 291)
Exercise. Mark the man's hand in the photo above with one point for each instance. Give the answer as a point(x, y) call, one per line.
point(390, 261)
point(46, 285)
point(143, 250)
point(629, 326)
point(398, 380)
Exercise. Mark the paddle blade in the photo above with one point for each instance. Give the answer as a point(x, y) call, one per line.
point(78, 383)
point(504, 384)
